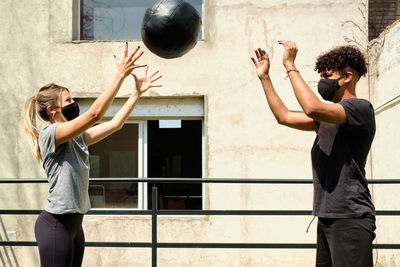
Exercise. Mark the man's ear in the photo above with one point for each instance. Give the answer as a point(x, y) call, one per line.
point(348, 76)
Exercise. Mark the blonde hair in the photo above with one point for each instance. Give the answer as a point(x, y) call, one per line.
point(48, 95)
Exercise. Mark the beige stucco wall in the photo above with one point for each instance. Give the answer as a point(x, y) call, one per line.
point(242, 139)
point(384, 56)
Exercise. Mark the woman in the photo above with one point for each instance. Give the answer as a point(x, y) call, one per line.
point(62, 147)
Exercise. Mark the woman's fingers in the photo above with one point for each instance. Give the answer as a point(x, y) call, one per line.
point(152, 74)
point(134, 76)
point(138, 66)
point(159, 77)
point(126, 50)
point(137, 57)
point(134, 53)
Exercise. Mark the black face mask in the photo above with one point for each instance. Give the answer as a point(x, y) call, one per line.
point(71, 111)
point(328, 88)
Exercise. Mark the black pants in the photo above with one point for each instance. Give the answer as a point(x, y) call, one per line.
point(60, 239)
point(345, 242)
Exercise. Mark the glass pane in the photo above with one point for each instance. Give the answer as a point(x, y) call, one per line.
point(116, 156)
point(116, 19)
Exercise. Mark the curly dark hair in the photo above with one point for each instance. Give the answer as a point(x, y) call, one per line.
point(341, 57)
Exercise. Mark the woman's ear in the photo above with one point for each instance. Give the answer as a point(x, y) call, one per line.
point(51, 111)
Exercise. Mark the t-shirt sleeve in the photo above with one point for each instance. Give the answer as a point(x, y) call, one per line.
point(47, 140)
point(359, 112)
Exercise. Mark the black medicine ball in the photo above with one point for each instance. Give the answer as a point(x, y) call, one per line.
point(170, 28)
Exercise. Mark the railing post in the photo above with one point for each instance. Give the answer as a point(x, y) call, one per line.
point(154, 208)
point(11, 248)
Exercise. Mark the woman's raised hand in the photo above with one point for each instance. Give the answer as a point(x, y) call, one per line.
point(127, 64)
point(144, 83)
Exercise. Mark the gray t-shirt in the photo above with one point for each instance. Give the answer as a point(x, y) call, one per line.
point(339, 155)
point(67, 170)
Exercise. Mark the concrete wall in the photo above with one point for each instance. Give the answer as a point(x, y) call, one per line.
point(384, 57)
point(242, 138)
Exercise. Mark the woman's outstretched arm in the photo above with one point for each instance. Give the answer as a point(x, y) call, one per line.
point(71, 129)
point(101, 131)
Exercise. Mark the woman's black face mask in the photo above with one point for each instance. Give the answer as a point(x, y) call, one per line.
point(71, 111)
point(328, 88)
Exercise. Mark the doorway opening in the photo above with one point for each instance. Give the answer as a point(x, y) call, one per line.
point(175, 150)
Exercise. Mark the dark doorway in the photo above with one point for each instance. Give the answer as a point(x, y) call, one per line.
point(175, 152)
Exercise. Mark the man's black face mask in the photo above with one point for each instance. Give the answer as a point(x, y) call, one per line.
point(328, 88)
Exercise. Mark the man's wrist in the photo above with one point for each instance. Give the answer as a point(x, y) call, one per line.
point(290, 67)
point(264, 77)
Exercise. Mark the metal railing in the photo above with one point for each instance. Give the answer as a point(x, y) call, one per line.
point(155, 212)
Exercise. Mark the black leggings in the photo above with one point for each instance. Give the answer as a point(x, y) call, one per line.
point(60, 239)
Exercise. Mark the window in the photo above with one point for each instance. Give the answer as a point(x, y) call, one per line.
point(114, 157)
point(150, 147)
point(174, 149)
point(382, 13)
point(115, 19)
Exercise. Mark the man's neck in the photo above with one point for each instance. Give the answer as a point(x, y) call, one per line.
point(348, 94)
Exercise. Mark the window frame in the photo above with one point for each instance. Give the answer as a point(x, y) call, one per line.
point(76, 24)
point(158, 108)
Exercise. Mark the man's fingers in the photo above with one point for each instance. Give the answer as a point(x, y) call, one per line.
point(264, 54)
point(291, 44)
point(285, 43)
point(288, 44)
point(258, 55)
point(261, 55)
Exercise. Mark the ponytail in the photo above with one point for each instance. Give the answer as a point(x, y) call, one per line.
point(31, 131)
point(37, 105)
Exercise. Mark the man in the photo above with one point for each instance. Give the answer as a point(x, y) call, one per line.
point(345, 129)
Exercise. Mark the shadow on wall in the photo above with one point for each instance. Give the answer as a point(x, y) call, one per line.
point(14, 148)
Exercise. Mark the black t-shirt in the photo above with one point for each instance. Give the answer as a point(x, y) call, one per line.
point(338, 158)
